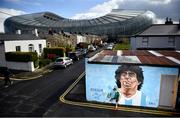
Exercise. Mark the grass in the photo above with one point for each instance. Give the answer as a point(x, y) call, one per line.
point(122, 46)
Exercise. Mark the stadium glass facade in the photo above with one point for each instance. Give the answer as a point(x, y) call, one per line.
point(117, 23)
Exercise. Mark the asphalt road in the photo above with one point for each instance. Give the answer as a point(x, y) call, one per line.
point(35, 97)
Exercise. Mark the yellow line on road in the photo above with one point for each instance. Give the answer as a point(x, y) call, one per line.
point(101, 106)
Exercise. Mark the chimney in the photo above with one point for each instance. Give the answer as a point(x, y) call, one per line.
point(36, 32)
point(166, 22)
point(170, 21)
point(18, 31)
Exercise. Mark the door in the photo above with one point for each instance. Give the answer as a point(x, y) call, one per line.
point(168, 91)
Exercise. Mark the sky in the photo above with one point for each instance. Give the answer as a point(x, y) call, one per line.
point(87, 9)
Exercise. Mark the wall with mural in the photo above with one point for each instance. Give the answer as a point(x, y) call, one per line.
point(137, 86)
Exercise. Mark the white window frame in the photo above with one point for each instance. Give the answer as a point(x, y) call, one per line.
point(31, 47)
point(18, 48)
point(171, 41)
point(48, 44)
point(40, 48)
point(145, 41)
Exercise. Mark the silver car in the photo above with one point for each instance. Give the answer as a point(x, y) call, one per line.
point(63, 62)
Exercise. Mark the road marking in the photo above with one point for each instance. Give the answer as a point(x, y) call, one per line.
point(102, 106)
point(25, 79)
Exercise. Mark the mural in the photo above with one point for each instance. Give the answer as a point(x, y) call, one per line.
point(126, 85)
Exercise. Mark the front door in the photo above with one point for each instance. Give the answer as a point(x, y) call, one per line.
point(168, 91)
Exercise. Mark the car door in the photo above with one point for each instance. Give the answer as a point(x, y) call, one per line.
point(68, 61)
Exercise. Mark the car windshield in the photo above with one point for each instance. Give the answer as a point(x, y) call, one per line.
point(59, 60)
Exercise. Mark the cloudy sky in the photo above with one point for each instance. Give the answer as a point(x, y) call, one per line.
point(81, 9)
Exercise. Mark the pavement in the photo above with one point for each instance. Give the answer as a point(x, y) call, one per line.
point(24, 76)
point(21, 75)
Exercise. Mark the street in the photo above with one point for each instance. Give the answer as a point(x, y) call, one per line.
point(35, 97)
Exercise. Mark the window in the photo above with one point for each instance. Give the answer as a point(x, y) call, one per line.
point(48, 44)
point(171, 41)
point(145, 41)
point(31, 48)
point(40, 48)
point(18, 48)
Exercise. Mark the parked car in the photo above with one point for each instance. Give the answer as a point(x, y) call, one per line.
point(75, 55)
point(63, 62)
point(83, 51)
point(91, 48)
point(109, 47)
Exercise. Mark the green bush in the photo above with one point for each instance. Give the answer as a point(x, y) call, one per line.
point(122, 46)
point(52, 53)
point(36, 63)
point(21, 56)
point(69, 48)
point(44, 62)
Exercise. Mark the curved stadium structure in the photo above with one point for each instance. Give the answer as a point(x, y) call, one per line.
point(117, 23)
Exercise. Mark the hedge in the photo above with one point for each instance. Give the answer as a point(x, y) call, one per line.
point(44, 62)
point(21, 56)
point(52, 53)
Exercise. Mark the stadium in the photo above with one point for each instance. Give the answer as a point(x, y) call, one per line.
point(118, 23)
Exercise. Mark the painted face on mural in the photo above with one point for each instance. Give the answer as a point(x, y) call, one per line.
point(128, 80)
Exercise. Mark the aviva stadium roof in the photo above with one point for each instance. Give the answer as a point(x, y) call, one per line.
point(115, 24)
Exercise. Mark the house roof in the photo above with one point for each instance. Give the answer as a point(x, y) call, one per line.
point(140, 57)
point(161, 30)
point(9, 37)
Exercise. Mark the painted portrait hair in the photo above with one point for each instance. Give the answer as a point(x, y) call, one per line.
point(138, 70)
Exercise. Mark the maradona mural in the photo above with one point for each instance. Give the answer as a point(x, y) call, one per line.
point(135, 85)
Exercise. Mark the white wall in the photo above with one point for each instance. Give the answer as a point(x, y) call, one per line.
point(11, 45)
point(26, 66)
point(2, 56)
point(133, 43)
point(81, 39)
point(154, 42)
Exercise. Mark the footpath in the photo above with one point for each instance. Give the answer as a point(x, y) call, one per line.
point(19, 75)
point(23, 76)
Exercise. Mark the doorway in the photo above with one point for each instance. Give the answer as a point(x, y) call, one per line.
point(168, 91)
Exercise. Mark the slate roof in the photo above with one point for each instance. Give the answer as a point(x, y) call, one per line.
point(7, 37)
point(161, 30)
